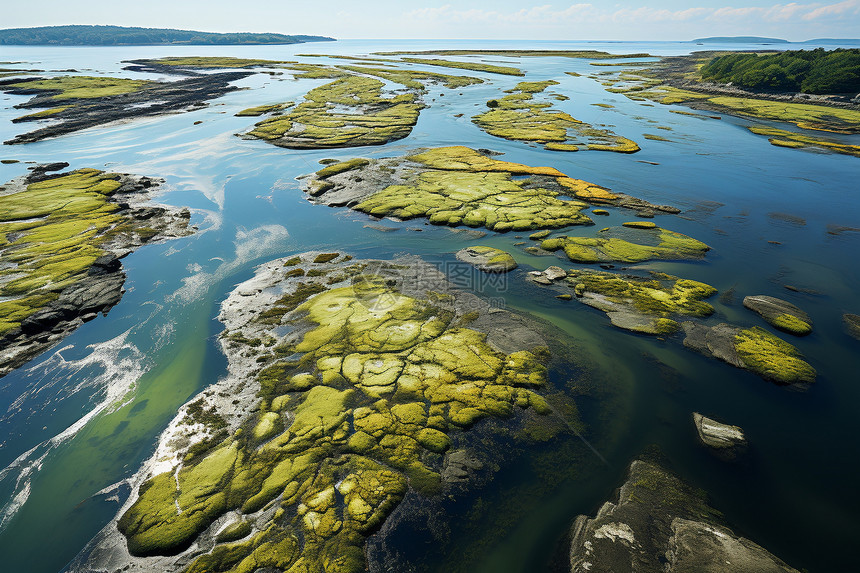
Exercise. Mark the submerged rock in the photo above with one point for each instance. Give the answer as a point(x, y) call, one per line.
point(352, 385)
point(659, 524)
point(487, 259)
point(852, 324)
point(780, 314)
point(61, 238)
point(754, 349)
point(722, 437)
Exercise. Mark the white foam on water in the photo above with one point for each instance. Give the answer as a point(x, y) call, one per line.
point(121, 364)
point(249, 245)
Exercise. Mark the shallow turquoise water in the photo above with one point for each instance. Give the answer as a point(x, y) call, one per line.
point(794, 491)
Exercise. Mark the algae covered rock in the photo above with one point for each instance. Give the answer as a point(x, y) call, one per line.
point(349, 383)
point(754, 349)
point(518, 116)
point(460, 186)
point(852, 324)
point(659, 523)
point(641, 304)
point(628, 244)
point(348, 112)
point(487, 259)
point(61, 237)
point(780, 314)
point(73, 103)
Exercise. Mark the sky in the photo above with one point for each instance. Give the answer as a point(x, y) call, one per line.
point(478, 19)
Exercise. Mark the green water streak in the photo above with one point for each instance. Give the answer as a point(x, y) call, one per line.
point(59, 513)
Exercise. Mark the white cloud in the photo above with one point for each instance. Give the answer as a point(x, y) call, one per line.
point(839, 9)
point(549, 15)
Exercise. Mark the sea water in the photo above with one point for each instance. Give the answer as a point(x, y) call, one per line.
point(81, 418)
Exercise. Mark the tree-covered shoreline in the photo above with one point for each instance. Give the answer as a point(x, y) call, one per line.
point(816, 71)
point(123, 36)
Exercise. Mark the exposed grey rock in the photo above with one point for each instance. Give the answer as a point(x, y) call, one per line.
point(713, 341)
point(157, 99)
point(643, 533)
point(555, 273)
point(101, 288)
point(726, 440)
point(487, 259)
point(773, 310)
point(459, 465)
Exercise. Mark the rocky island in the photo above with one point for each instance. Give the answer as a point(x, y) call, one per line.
point(79, 102)
point(658, 523)
point(353, 384)
point(62, 236)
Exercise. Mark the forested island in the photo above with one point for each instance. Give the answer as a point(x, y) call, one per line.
point(124, 36)
point(809, 71)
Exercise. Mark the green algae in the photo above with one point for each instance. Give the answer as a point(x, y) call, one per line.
point(84, 87)
point(460, 186)
point(654, 137)
point(791, 324)
point(617, 245)
point(341, 167)
point(519, 117)
point(45, 113)
point(383, 389)
point(263, 109)
point(215, 62)
point(76, 90)
point(51, 233)
point(473, 66)
point(771, 357)
point(487, 259)
point(640, 224)
point(641, 304)
point(371, 119)
point(806, 116)
point(480, 195)
point(414, 79)
point(783, 138)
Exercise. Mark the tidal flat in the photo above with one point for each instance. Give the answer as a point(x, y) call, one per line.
point(409, 332)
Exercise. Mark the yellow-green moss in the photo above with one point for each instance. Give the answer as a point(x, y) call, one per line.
point(50, 235)
point(317, 123)
point(785, 138)
point(519, 117)
point(653, 243)
point(215, 62)
point(792, 324)
point(263, 109)
point(378, 388)
point(475, 198)
point(473, 66)
point(771, 357)
point(659, 296)
point(85, 87)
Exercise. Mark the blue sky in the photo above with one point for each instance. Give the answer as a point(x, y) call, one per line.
point(496, 19)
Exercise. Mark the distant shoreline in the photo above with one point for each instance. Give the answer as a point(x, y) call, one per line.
point(113, 36)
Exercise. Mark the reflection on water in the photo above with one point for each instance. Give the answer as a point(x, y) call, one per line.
point(83, 416)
